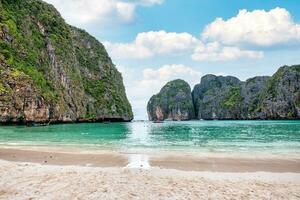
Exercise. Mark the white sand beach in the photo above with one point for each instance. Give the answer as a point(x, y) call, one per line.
point(93, 176)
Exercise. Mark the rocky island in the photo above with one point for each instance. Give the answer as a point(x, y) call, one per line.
point(173, 102)
point(226, 97)
point(53, 72)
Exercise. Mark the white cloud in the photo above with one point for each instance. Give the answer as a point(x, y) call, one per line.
point(235, 38)
point(147, 2)
point(170, 72)
point(127, 50)
point(80, 12)
point(153, 43)
point(215, 52)
point(259, 27)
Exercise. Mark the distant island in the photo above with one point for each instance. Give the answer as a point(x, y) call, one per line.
point(228, 98)
point(53, 72)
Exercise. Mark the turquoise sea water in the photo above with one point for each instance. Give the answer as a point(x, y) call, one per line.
point(203, 136)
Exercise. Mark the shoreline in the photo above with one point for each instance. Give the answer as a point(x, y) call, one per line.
point(164, 160)
point(119, 120)
point(60, 122)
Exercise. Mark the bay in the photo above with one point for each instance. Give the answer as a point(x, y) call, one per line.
point(195, 136)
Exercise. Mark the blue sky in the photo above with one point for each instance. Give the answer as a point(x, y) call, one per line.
point(154, 41)
point(190, 16)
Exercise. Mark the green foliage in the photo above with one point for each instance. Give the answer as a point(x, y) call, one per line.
point(26, 52)
point(20, 118)
point(31, 27)
point(95, 88)
point(290, 114)
point(90, 116)
point(16, 73)
point(255, 107)
point(45, 86)
point(233, 98)
point(106, 95)
point(85, 44)
point(11, 26)
point(298, 103)
point(3, 89)
point(209, 92)
point(174, 95)
point(272, 83)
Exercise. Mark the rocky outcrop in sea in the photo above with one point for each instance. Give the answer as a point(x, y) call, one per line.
point(261, 97)
point(173, 102)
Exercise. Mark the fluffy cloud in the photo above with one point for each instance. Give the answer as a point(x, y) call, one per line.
point(153, 43)
point(235, 38)
point(169, 72)
point(259, 27)
point(139, 90)
point(215, 52)
point(79, 12)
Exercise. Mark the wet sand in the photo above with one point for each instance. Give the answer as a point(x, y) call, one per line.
point(187, 162)
point(101, 159)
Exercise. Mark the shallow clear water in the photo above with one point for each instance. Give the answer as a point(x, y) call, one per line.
point(203, 136)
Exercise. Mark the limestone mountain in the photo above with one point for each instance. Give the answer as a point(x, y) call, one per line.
point(211, 97)
point(275, 97)
point(51, 71)
point(281, 97)
point(173, 102)
point(226, 97)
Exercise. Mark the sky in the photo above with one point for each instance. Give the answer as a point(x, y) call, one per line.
point(155, 41)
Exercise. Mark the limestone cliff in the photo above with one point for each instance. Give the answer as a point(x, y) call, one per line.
point(173, 102)
point(281, 97)
point(226, 97)
point(275, 97)
point(51, 71)
point(211, 97)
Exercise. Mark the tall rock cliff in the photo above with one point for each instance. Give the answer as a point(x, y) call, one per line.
point(173, 102)
point(281, 97)
point(51, 71)
point(219, 97)
point(276, 97)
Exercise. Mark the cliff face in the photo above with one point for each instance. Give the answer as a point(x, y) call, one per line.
point(262, 97)
point(217, 97)
point(281, 98)
point(251, 96)
point(50, 71)
point(276, 97)
point(173, 102)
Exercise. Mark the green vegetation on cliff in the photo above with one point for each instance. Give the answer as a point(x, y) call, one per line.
point(173, 102)
point(261, 97)
point(226, 97)
point(233, 98)
point(69, 72)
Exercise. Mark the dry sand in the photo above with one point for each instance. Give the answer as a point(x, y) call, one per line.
point(24, 174)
